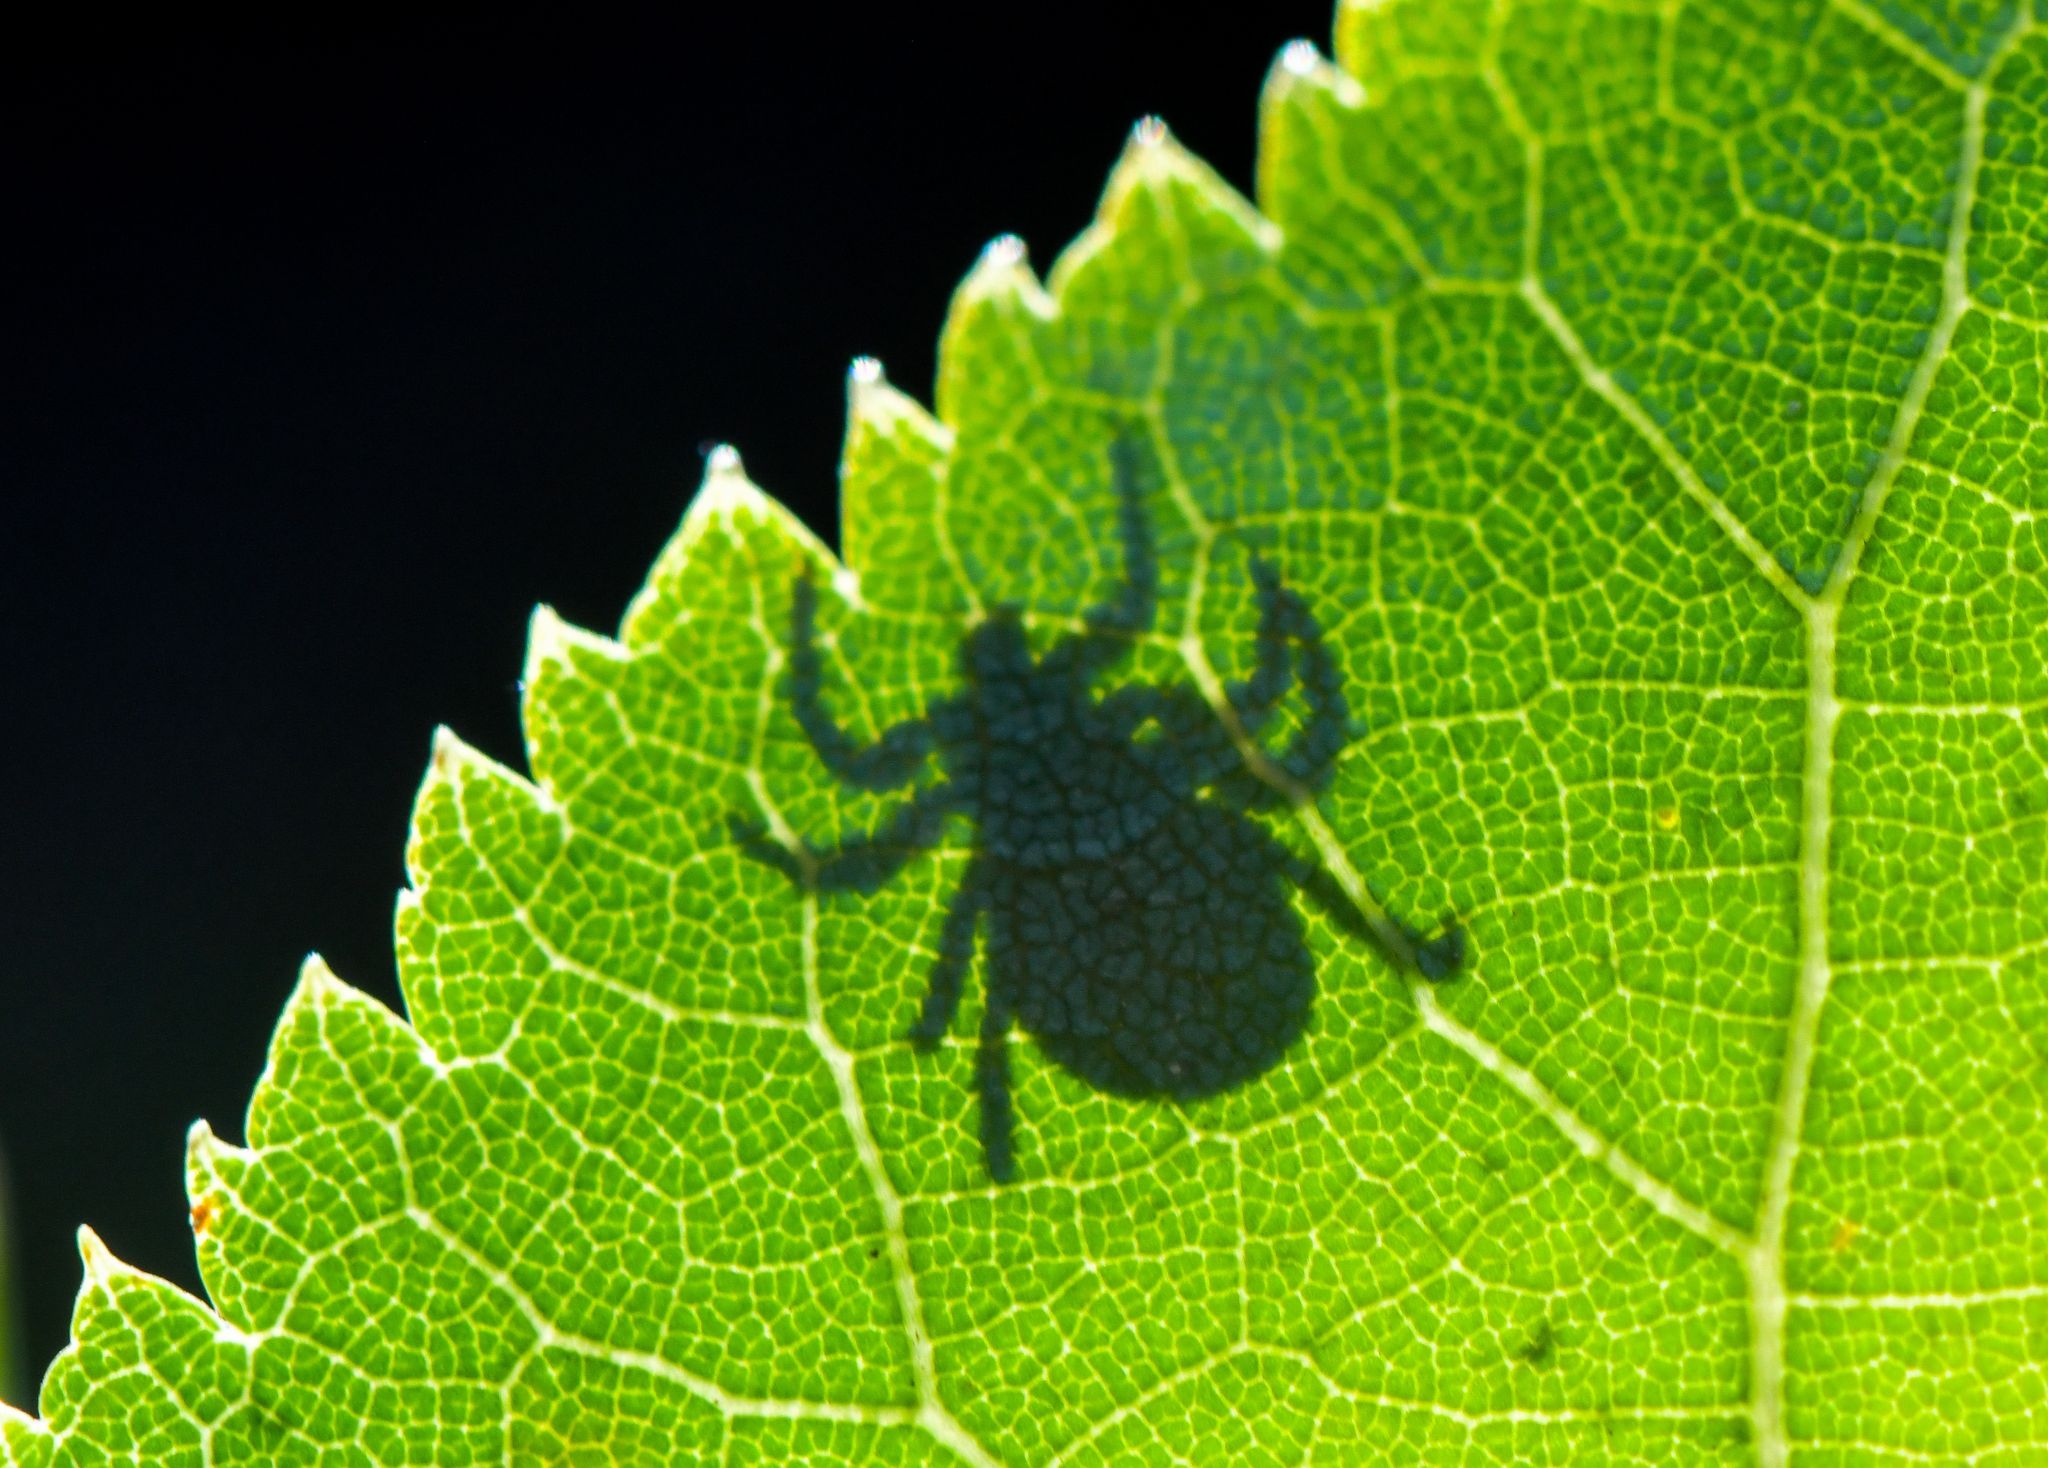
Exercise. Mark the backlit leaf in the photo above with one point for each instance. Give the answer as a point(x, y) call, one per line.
point(1640, 405)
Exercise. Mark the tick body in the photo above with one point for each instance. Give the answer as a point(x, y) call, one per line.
point(1133, 918)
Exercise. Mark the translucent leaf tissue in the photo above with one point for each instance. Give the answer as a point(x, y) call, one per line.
point(1415, 829)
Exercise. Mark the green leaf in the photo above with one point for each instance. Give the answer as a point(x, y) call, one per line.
point(1640, 407)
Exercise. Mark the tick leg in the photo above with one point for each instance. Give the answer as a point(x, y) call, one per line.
point(1111, 624)
point(862, 863)
point(1284, 617)
point(1136, 600)
point(992, 1081)
point(1321, 739)
point(1443, 956)
point(956, 950)
point(1438, 958)
point(892, 760)
point(1281, 616)
point(1202, 740)
point(866, 862)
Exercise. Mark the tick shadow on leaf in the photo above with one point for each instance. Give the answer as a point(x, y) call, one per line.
point(1135, 921)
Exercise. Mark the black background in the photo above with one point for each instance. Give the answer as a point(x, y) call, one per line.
point(330, 350)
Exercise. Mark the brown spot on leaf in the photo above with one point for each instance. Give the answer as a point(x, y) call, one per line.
point(205, 1213)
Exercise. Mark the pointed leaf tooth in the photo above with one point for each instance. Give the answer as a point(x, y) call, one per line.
point(875, 405)
point(1351, 245)
point(205, 1150)
point(1155, 173)
point(319, 987)
point(996, 310)
point(455, 758)
point(546, 642)
point(1002, 277)
point(725, 488)
point(876, 413)
point(202, 1146)
point(317, 984)
point(448, 752)
point(1155, 159)
point(726, 495)
point(1149, 131)
point(550, 639)
point(211, 1167)
point(102, 1268)
point(1299, 67)
point(310, 994)
point(892, 466)
point(735, 544)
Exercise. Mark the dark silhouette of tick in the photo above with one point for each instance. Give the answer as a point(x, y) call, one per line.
point(1136, 921)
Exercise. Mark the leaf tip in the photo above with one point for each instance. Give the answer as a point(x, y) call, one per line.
point(874, 405)
point(547, 641)
point(1300, 58)
point(318, 984)
point(552, 639)
point(725, 498)
point(454, 759)
point(448, 748)
point(1149, 131)
point(1151, 152)
point(1003, 273)
point(1154, 163)
point(1004, 252)
point(205, 1151)
point(869, 396)
point(209, 1165)
point(726, 490)
point(1301, 67)
point(101, 1267)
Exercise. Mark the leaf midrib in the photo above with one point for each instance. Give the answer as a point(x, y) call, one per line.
point(1766, 1260)
point(1761, 1251)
